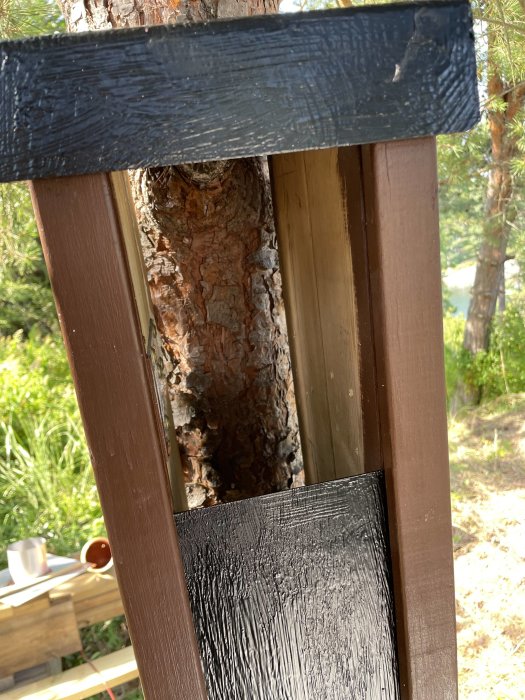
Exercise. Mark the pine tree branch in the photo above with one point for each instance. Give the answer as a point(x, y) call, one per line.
point(516, 26)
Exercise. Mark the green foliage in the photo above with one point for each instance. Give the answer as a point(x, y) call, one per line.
point(453, 329)
point(499, 371)
point(463, 166)
point(46, 481)
point(24, 286)
point(502, 25)
point(20, 18)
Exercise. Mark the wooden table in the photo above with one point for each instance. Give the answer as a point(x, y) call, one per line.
point(47, 629)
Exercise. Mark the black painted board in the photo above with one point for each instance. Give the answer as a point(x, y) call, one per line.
point(291, 594)
point(128, 98)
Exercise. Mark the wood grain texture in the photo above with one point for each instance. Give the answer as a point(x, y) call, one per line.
point(81, 681)
point(174, 94)
point(150, 336)
point(318, 288)
point(405, 281)
point(96, 598)
point(83, 245)
point(291, 593)
point(349, 163)
point(36, 633)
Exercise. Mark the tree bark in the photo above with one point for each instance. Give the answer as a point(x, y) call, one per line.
point(498, 217)
point(210, 249)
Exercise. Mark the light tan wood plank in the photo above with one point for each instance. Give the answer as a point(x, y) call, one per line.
point(82, 681)
point(318, 286)
point(96, 598)
point(34, 636)
point(152, 343)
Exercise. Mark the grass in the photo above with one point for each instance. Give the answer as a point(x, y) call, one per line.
point(46, 484)
point(46, 481)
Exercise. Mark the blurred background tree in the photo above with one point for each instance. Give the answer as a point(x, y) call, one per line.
point(501, 41)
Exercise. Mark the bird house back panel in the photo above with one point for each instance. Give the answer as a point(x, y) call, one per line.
point(291, 593)
point(73, 104)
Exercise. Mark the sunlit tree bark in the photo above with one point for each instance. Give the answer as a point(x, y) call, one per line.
point(505, 104)
point(210, 251)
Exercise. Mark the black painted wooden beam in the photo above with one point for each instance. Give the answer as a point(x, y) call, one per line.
point(291, 593)
point(120, 99)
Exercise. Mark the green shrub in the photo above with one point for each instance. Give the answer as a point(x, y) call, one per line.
point(24, 286)
point(500, 370)
point(34, 378)
point(455, 357)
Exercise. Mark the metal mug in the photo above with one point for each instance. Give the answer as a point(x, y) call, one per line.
point(27, 559)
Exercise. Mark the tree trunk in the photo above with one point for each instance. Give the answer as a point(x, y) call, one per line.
point(210, 249)
point(498, 216)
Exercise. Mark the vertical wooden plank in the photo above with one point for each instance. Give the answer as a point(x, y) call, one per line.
point(403, 239)
point(83, 245)
point(349, 161)
point(131, 237)
point(318, 287)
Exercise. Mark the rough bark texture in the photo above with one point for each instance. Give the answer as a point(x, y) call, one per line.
point(210, 250)
point(498, 217)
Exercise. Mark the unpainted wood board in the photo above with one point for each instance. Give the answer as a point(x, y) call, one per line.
point(6, 683)
point(88, 586)
point(349, 163)
point(85, 255)
point(160, 95)
point(291, 593)
point(81, 681)
point(318, 290)
point(131, 235)
point(33, 607)
point(405, 281)
point(35, 673)
point(137, 269)
point(28, 639)
point(96, 598)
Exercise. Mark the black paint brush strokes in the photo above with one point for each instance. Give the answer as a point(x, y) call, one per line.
point(128, 98)
point(291, 594)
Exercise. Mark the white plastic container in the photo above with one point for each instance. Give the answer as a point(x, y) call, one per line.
point(27, 559)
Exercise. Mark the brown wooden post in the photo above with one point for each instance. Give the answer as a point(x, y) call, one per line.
point(400, 188)
point(83, 241)
point(359, 245)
